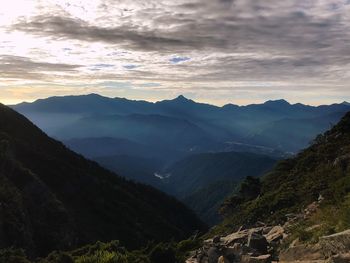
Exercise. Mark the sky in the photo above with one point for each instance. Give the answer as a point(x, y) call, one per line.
point(216, 51)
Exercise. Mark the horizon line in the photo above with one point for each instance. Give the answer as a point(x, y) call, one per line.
point(181, 96)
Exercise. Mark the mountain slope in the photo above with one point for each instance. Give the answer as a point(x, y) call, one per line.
point(139, 169)
point(204, 181)
point(196, 171)
point(151, 129)
point(52, 198)
point(323, 169)
point(207, 200)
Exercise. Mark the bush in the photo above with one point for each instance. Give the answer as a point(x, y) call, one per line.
point(103, 257)
point(163, 253)
point(11, 255)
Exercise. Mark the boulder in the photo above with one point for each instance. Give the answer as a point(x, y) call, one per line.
point(213, 255)
point(216, 239)
point(237, 237)
point(275, 234)
point(338, 243)
point(257, 242)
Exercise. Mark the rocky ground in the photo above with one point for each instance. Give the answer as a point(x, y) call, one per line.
point(262, 244)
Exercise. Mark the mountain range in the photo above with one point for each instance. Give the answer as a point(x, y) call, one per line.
point(183, 124)
point(180, 146)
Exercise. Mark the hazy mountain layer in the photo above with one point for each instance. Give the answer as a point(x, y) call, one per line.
point(182, 124)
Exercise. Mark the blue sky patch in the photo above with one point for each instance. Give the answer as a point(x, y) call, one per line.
point(130, 66)
point(176, 60)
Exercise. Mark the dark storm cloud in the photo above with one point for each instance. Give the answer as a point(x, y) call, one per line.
point(128, 36)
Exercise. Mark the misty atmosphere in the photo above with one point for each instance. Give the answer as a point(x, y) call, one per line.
point(189, 131)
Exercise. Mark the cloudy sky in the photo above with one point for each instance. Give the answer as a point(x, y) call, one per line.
point(217, 51)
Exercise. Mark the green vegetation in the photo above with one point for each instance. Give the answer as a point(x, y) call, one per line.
point(53, 199)
point(206, 201)
point(110, 252)
point(322, 169)
point(203, 181)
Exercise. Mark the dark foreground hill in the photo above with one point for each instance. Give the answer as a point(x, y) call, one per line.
point(52, 198)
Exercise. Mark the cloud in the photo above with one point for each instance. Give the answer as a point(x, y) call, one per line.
point(130, 66)
point(24, 68)
point(301, 45)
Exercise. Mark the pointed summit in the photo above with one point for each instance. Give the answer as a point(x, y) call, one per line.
point(181, 98)
point(346, 103)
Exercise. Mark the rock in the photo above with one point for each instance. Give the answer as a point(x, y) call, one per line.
point(236, 250)
point(275, 234)
point(216, 239)
point(338, 243)
point(302, 253)
point(311, 209)
point(234, 253)
point(191, 260)
point(213, 255)
point(260, 224)
point(343, 258)
point(260, 259)
point(238, 237)
point(295, 243)
point(222, 259)
point(266, 230)
point(257, 242)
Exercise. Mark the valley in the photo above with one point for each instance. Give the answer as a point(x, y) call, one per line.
point(180, 146)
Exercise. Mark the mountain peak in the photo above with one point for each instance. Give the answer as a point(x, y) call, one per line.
point(277, 102)
point(181, 98)
point(346, 103)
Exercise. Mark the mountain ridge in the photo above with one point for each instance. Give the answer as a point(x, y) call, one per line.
point(179, 98)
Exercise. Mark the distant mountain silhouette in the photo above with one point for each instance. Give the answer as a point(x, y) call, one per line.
point(97, 116)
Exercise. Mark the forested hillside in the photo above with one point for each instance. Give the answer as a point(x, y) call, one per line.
point(52, 198)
